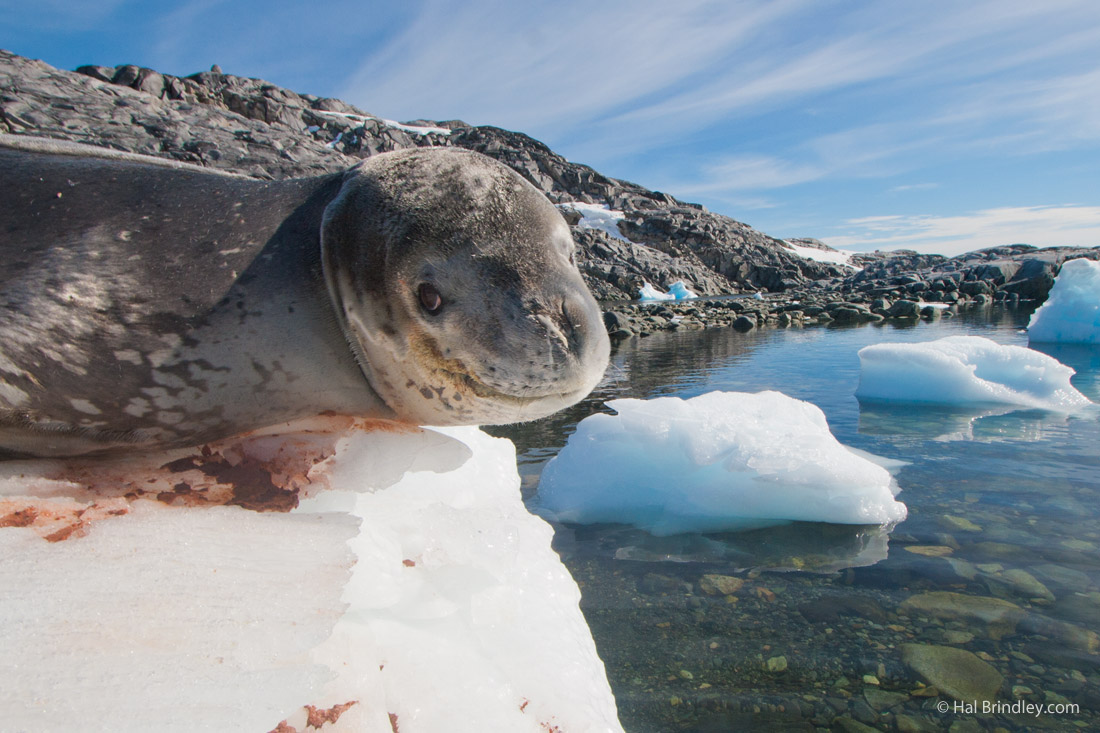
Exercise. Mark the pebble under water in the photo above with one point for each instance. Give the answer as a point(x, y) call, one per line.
point(979, 612)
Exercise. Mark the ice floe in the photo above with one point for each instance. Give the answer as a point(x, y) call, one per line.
point(718, 461)
point(1071, 313)
point(966, 370)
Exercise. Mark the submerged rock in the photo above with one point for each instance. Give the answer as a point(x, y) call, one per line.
point(956, 672)
point(997, 618)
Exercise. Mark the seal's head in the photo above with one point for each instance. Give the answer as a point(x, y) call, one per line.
point(455, 284)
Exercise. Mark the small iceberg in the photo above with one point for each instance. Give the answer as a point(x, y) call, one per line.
point(966, 370)
point(1071, 313)
point(722, 461)
point(676, 291)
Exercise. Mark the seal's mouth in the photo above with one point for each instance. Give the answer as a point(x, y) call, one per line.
point(456, 373)
point(466, 382)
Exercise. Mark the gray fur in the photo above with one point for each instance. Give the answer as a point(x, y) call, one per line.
point(151, 304)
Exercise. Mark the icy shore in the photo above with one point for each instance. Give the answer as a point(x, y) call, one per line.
point(408, 589)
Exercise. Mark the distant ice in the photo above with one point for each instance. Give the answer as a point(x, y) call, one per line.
point(676, 291)
point(832, 257)
point(719, 461)
point(414, 129)
point(598, 216)
point(966, 370)
point(1071, 313)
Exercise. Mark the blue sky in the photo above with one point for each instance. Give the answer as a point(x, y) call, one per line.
point(937, 126)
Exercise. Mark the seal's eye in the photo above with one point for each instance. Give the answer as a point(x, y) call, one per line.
point(430, 299)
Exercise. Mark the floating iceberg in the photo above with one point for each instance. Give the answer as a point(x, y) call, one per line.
point(676, 291)
point(1071, 313)
point(415, 592)
point(719, 461)
point(966, 370)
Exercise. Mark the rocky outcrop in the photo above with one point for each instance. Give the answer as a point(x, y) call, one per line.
point(253, 127)
point(1010, 273)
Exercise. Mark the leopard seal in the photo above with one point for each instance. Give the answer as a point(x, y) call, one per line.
point(146, 303)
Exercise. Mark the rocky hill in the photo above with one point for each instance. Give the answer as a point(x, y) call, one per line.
point(253, 127)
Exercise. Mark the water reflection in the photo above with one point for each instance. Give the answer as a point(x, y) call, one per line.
point(795, 546)
point(1083, 359)
point(945, 424)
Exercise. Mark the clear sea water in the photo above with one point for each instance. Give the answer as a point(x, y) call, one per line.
point(989, 495)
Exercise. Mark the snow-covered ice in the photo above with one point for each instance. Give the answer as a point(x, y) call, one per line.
point(676, 291)
point(598, 216)
point(718, 461)
point(410, 589)
point(414, 129)
point(966, 370)
point(828, 256)
point(1071, 313)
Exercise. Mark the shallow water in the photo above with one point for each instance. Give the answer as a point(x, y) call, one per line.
point(1004, 510)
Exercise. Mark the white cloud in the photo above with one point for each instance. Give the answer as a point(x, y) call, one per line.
point(1042, 226)
point(913, 187)
point(549, 64)
point(750, 172)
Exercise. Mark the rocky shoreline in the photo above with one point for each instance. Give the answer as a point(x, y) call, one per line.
point(887, 288)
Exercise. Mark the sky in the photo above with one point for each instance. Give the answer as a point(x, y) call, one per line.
point(920, 124)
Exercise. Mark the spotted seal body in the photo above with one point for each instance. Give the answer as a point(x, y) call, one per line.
point(151, 304)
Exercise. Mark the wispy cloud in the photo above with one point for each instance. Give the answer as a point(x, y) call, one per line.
point(750, 172)
point(567, 63)
point(913, 187)
point(1042, 226)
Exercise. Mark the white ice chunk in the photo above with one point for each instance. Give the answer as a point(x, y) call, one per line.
point(676, 291)
point(416, 593)
point(414, 129)
point(680, 291)
point(598, 216)
point(719, 461)
point(828, 256)
point(1071, 313)
point(966, 370)
point(648, 292)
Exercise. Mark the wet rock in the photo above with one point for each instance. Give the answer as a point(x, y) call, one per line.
point(904, 309)
point(776, 665)
point(959, 524)
point(830, 609)
point(1071, 635)
point(1024, 584)
point(1077, 607)
point(851, 725)
point(657, 584)
point(743, 324)
point(913, 724)
point(929, 550)
point(883, 700)
point(720, 585)
point(863, 712)
point(955, 672)
point(997, 618)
